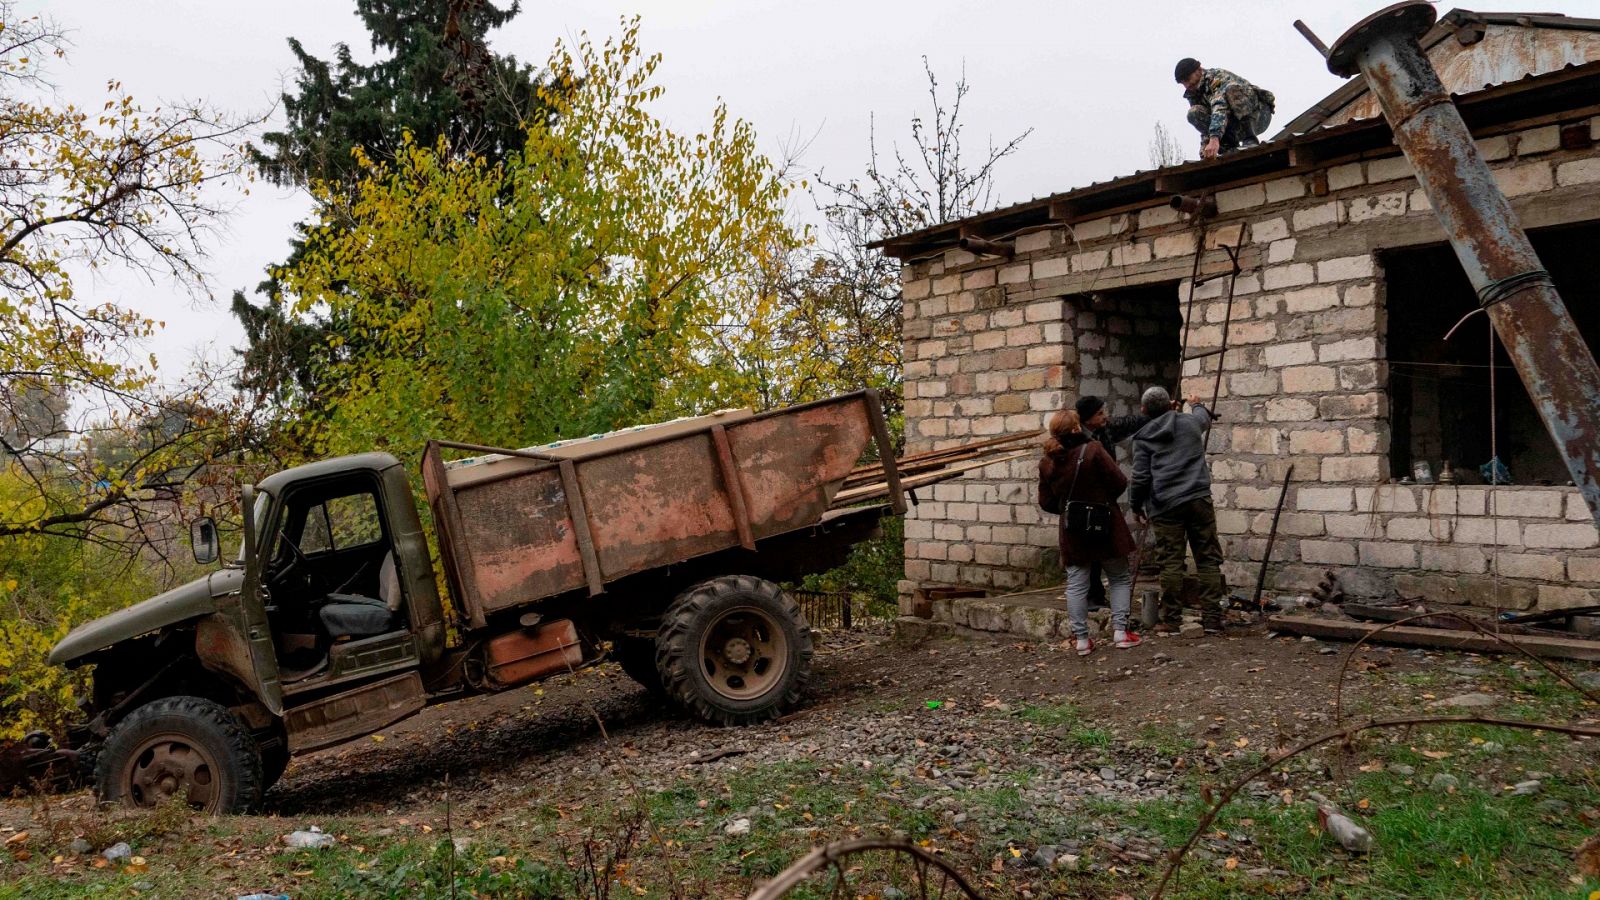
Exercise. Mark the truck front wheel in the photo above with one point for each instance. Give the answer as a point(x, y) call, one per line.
point(185, 747)
point(734, 650)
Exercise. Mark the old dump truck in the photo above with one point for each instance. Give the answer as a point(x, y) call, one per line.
point(664, 542)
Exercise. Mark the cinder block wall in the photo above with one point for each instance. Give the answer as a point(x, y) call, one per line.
point(992, 346)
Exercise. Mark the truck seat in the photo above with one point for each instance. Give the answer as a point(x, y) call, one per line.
point(358, 616)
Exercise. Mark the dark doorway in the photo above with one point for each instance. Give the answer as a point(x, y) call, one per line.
point(1127, 340)
point(1439, 391)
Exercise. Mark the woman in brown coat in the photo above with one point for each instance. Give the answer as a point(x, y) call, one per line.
point(1077, 469)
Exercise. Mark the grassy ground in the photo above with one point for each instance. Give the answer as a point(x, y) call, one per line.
point(1478, 840)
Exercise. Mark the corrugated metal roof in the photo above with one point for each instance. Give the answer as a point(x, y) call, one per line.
point(1546, 47)
point(1530, 97)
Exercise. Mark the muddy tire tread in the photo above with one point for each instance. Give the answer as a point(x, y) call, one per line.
point(238, 744)
point(677, 647)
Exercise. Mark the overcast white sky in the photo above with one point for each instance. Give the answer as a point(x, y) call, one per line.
point(1091, 79)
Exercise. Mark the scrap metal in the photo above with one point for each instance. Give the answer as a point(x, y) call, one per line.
point(1513, 287)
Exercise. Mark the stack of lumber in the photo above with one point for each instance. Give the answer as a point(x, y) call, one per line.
point(920, 470)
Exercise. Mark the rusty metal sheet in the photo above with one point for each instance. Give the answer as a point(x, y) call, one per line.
point(1550, 355)
point(791, 465)
point(656, 505)
point(519, 539)
point(1505, 53)
point(531, 653)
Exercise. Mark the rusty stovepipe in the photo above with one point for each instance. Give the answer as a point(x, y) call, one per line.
point(1202, 206)
point(1513, 287)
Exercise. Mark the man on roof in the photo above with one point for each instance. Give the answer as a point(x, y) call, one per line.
point(1229, 112)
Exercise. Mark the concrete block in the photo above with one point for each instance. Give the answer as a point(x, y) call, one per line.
point(1309, 379)
point(1051, 267)
point(1036, 240)
point(1293, 275)
point(1253, 384)
point(1561, 537)
point(1529, 179)
point(1354, 406)
point(1564, 597)
point(1325, 499)
point(1311, 299)
point(1577, 510)
point(1019, 273)
point(1088, 261)
point(1044, 311)
point(1328, 553)
point(1495, 148)
point(1388, 554)
point(1319, 216)
point(1255, 439)
point(1580, 171)
point(1580, 568)
point(1464, 560)
point(1345, 176)
point(1534, 565)
point(1387, 498)
point(1351, 349)
point(987, 615)
point(1268, 231)
point(1281, 251)
point(1252, 332)
point(1353, 526)
point(1527, 503)
point(1390, 169)
point(1315, 442)
point(1295, 354)
point(1178, 244)
point(1538, 140)
point(1130, 254)
point(1241, 198)
point(978, 278)
point(1291, 409)
point(1363, 209)
point(1414, 528)
point(1280, 190)
point(1503, 532)
point(1345, 268)
point(1156, 216)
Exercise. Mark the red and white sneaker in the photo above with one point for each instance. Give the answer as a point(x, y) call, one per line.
point(1127, 640)
point(1085, 646)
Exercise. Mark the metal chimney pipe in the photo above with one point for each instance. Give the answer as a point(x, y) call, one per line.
point(1513, 287)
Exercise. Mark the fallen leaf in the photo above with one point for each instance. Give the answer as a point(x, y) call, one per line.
point(1231, 864)
point(1589, 857)
point(1242, 742)
point(377, 739)
point(1363, 803)
point(1015, 853)
point(20, 837)
point(1436, 754)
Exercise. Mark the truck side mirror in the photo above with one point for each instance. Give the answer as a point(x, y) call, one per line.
point(203, 537)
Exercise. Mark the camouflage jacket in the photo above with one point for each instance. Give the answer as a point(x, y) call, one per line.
point(1212, 93)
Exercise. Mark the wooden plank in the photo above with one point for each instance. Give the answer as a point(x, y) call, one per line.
point(1396, 613)
point(874, 491)
point(1436, 638)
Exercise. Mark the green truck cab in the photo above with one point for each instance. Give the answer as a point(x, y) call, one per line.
point(660, 547)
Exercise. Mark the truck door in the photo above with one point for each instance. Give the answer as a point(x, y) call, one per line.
point(246, 611)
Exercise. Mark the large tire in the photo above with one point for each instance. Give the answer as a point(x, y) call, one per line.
point(637, 657)
point(734, 650)
point(185, 746)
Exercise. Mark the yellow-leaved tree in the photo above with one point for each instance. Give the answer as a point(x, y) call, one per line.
point(609, 273)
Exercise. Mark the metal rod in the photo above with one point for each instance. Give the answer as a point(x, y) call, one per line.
point(1272, 538)
point(1227, 325)
point(1311, 36)
point(1554, 362)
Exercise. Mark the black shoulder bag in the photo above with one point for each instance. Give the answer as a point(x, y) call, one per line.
point(1083, 518)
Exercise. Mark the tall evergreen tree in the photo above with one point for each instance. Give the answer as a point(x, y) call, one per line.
point(434, 77)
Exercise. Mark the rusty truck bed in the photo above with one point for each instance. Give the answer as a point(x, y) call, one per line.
point(520, 526)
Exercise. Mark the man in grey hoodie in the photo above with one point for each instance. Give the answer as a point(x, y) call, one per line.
point(1172, 490)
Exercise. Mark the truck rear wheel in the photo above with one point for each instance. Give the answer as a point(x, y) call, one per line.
point(734, 650)
point(637, 657)
point(186, 747)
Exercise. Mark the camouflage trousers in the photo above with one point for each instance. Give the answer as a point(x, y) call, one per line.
point(1249, 112)
point(1189, 526)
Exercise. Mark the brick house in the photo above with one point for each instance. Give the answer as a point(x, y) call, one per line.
point(1335, 359)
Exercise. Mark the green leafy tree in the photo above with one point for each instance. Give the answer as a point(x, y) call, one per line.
point(590, 279)
point(435, 83)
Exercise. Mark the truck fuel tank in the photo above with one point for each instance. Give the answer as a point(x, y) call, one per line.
point(531, 653)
